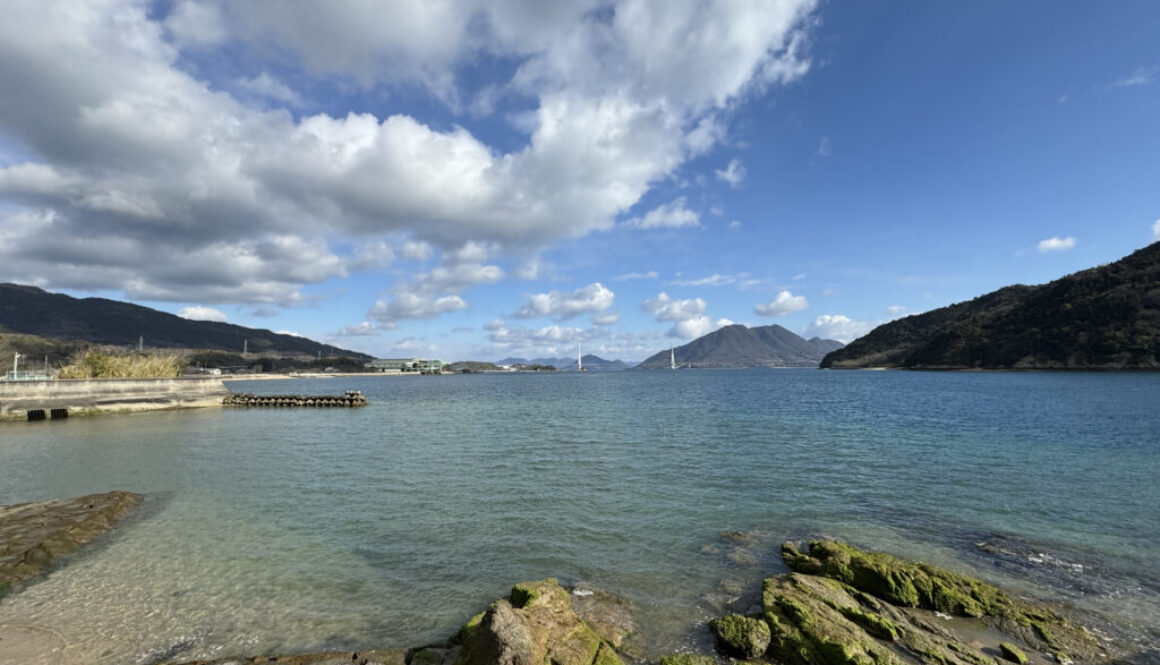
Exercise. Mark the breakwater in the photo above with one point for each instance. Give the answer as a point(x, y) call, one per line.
point(352, 398)
point(40, 400)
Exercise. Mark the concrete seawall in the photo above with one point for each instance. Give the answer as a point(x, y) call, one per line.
point(87, 396)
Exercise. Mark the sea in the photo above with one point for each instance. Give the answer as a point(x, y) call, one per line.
point(280, 531)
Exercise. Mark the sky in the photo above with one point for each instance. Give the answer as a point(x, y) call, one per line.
point(471, 179)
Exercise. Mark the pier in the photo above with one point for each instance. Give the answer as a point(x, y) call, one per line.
point(352, 398)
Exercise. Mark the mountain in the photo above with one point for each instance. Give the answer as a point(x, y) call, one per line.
point(33, 311)
point(594, 364)
point(1107, 317)
point(738, 346)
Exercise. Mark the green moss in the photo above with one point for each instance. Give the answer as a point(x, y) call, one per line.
point(1013, 653)
point(874, 624)
point(1043, 633)
point(739, 636)
point(608, 656)
point(796, 612)
point(687, 659)
point(468, 629)
point(524, 593)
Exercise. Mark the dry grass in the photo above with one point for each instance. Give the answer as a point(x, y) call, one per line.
point(92, 364)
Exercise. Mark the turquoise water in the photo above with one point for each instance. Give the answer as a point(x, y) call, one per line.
point(303, 530)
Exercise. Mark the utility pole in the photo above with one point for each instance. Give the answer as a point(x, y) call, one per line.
point(141, 343)
point(245, 346)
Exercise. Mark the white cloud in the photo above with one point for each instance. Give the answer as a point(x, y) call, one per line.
point(712, 280)
point(417, 251)
point(734, 173)
point(1056, 244)
point(201, 313)
point(605, 318)
point(592, 298)
point(372, 256)
point(361, 329)
point(291, 333)
point(1144, 76)
point(652, 274)
point(798, 277)
point(837, 326)
point(673, 214)
point(826, 147)
point(895, 310)
point(665, 308)
point(412, 306)
point(267, 87)
point(784, 303)
point(735, 224)
point(1156, 230)
point(123, 148)
point(686, 315)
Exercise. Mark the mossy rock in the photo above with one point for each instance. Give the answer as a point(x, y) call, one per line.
point(688, 659)
point(1013, 653)
point(810, 624)
point(467, 630)
point(428, 656)
point(739, 636)
point(536, 624)
point(912, 584)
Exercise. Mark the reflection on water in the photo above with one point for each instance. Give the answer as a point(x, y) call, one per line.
point(303, 530)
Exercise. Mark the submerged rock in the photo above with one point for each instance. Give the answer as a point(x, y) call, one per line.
point(34, 535)
point(687, 659)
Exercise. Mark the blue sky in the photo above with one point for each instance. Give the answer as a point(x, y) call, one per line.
point(468, 179)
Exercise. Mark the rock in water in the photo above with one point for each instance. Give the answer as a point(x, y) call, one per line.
point(741, 637)
point(911, 584)
point(34, 535)
point(534, 625)
point(843, 606)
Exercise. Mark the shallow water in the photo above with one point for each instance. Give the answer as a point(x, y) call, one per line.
point(303, 530)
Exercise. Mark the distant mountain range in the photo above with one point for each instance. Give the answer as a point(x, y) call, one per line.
point(1107, 317)
point(33, 311)
point(591, 363)
point(739, 346)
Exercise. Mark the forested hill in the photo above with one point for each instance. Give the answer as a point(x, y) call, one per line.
point(1107, 317)
point(33, 311)
point(739, 346)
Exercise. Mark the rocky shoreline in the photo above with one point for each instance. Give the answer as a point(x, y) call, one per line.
point(33, 536)
point(837, 605)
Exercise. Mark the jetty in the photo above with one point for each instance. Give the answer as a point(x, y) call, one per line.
point(352, 398)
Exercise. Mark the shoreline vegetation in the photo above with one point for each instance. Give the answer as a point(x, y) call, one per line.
point(837, 605)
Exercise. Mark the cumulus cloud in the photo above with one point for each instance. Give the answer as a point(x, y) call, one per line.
point(417, 251)
point(836, 326)
point(592, 298)
point(673, 214)
point(1156, 230)
point(687, 316)
point(734, 173)
point(784, 303)
point(413, 306)
point(123, 148)
point(201, 313)
point(896, 310)
point(267, 87)
point(1055, 244)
